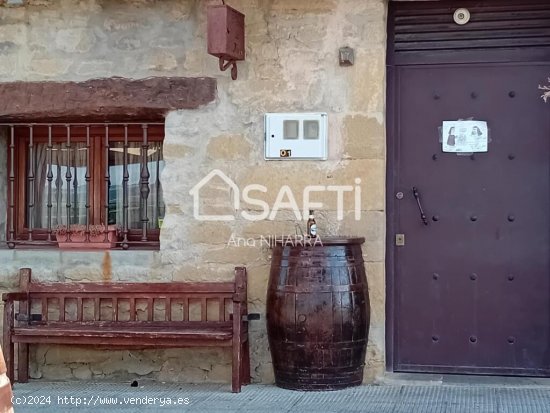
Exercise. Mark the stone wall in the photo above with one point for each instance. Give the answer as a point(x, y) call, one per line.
point(291, 66)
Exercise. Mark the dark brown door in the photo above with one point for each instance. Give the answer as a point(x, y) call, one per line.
point(473, 285)
point(469, 291)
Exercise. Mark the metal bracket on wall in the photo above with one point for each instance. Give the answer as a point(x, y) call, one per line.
point(225, 65)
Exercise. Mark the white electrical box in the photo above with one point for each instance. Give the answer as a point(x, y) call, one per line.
point(296, 136)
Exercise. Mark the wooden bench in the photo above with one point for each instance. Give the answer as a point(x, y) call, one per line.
point(128, 315)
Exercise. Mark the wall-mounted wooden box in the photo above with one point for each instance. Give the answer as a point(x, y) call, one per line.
point(225, 32)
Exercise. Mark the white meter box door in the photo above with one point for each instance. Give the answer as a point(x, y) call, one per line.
point(296, 136)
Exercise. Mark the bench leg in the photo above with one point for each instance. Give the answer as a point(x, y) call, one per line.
point(236, 376)
point(246, 362)
point(7, 342)
point(23, 363)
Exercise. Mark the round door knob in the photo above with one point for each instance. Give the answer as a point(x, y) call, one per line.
point(511, 218)
point(435, 338)
point(512, 94)
point(511, 156)
point(473, 218)
point(435, 276)
point(434, 157)
point(399, 195)
point(473, 95)
point(473, 339)
point(473, 276)
point(301, 318)
point(436, 96)
point(435, 218)
point(511, 340)
point(511, 277)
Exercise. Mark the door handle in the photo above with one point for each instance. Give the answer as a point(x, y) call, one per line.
point(422, 214)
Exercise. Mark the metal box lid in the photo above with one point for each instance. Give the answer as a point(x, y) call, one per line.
point(225, 32)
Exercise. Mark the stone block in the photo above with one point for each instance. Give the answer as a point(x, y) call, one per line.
point(209, 232)
point(15, 33)
point(82, 373)
point(55, 372)
point(258, 277)
point(377, 291)
point(56, 355)
point(162, 61)
point(220, 373)
point(95, 68)
point(372, 226)
point(265, 230)
point(230, 147)
point(231, 254)
point(285, 7)
point(48, 67)
point(177, 151)
point(74, 40)
point(195, 272)
point(368, 77)
point(365, 138)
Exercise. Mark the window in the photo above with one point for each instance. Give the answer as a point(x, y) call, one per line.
point(69, 175)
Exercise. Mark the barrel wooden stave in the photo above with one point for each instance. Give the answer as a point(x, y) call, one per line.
point(318, 316)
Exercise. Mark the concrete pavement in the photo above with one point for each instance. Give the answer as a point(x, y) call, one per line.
point(394, 394)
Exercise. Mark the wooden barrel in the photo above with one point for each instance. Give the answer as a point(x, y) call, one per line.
point(318, 314)
point(5, 388)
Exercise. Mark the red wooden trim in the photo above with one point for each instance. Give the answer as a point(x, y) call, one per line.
point(115, 309)
point(79, 303)
point(150, 309)
point(132, 309)
point(221, 304)
point(61, 308)
point(97, 309)
point(8, 346)
point(204, 310)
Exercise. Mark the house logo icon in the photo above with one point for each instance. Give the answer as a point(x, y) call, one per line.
point(195, 193)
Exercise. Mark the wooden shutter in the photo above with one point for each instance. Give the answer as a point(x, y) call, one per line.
point(499, 31)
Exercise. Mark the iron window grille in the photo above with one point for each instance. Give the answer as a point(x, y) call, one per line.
point(85, 175)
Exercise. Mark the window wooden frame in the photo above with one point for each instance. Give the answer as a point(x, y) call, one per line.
point(97, 165)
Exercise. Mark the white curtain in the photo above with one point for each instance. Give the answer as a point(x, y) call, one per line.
point(64, 159)
point(155, 165)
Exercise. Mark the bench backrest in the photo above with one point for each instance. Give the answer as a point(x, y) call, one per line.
point(130, 302)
